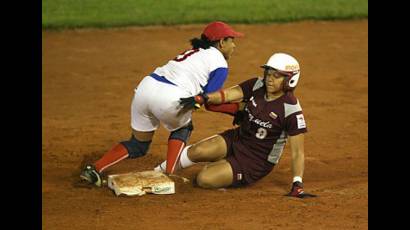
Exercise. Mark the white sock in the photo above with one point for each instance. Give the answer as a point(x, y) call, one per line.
point(184, 161)
point(161, 167)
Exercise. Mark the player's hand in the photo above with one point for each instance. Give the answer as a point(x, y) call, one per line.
point(297, 191)
point(193, 102)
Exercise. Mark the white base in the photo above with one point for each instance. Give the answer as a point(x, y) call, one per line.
point(141, 183)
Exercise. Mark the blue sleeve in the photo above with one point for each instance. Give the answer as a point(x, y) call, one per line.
point(216, 80)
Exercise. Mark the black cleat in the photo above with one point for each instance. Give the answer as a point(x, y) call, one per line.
point(91, 175)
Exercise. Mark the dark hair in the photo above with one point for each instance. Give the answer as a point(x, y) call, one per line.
point(202, 42)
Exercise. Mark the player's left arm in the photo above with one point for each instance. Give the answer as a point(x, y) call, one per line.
point(216, 80)
point(297, 145)
point(228, 95)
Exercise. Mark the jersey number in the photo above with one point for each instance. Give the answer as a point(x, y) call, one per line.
point(261, 133)
point(185, 54)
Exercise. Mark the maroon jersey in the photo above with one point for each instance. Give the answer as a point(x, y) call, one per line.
point(265, 129)
point(258, 143)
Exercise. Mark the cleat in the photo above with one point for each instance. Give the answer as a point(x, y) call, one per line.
point(91, 175)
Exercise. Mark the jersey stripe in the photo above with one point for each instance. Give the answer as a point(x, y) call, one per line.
point(291, 109)
point(161, 78)
point(277, 149)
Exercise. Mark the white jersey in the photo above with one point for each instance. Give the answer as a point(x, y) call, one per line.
point(196, 70)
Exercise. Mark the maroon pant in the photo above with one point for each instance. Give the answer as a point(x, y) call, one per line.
point(247, 167)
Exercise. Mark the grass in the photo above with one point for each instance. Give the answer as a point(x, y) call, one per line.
point(57, 14)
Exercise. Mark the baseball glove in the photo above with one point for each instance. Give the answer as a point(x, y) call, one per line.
point(193, 102)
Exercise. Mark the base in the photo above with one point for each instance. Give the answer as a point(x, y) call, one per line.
point(141, 183)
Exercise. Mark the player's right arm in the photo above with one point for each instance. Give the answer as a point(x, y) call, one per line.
point(232, 94)
point(226, 101)
point(237, 93)
point(222, 101)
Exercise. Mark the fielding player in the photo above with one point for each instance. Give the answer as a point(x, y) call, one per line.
point(202, 69)
point(271, 116)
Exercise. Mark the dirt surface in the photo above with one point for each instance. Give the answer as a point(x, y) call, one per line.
point(88, 81)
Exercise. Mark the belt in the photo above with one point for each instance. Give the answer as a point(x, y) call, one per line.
point(161, 78)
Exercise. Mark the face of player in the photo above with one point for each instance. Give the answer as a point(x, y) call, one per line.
point(227, 46)
point(274, 82)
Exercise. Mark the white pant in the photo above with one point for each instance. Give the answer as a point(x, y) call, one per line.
point(156, 102)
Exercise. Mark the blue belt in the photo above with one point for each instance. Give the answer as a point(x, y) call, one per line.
point(161, 78)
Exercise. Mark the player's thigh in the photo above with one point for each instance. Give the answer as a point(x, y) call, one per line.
point(215, 175)
point(165, 106)
point(142, 119)
point(209, 149)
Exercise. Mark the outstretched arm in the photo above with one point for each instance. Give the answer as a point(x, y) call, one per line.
point(233, 94)
point(222, 101)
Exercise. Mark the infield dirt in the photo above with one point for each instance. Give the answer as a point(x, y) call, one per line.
point(88, 80)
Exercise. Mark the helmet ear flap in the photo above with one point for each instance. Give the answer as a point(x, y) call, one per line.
point(292, 81)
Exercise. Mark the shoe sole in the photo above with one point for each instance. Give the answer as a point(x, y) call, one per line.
point(97, 183)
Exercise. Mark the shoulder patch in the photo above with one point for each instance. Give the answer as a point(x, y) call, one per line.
point(258, 84)
point(301, 121)
point(290, 109)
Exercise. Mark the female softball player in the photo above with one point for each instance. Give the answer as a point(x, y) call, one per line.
point(202, 69)
point(271, 115)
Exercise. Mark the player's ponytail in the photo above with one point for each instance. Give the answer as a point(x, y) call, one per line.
point(202, 42)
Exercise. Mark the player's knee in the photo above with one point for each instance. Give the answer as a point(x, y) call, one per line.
point(205, 180)
point(197, 151)
point(135, 147)
point(183, 133)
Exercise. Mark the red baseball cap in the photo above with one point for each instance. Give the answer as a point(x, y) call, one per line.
point(218, 30)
